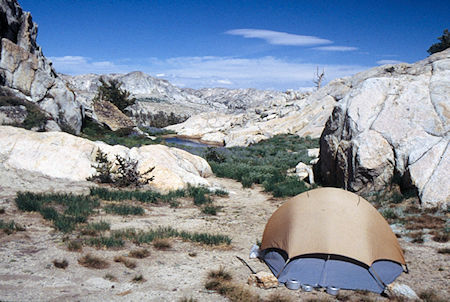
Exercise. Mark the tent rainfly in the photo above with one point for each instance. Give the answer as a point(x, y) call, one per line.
point(331, 237)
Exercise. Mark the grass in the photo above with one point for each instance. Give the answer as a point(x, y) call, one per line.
point(142, 237)
point(211, 210)
point(105, 242)
point(417, 237)
point(430, 295)
point(264, 163)
point(139, 253)
point(142, 196)
point(64, 210)
point(127, 262)
point(124, 209)
point(444, 250)
point(61, 263)
point(110, 277)
point(75, 246)
point(162, 244)
point(11, 227)
point(424, 221)
point(95, 228)
point(221, 282)
point(138, 278)
point(440, 235)
point(91, 261)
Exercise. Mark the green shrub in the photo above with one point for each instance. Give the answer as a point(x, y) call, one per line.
point(444, 44)
point(291, 186)
point(211, 210)
point(124, 209)
point(111, 91)
point(108, 242)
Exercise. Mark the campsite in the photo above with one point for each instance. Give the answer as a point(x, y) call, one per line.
point(243, 151)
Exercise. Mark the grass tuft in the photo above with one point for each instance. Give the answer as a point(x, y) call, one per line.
point(124, 210)
point(61, 264)
point(138, 278)
point(162, 244)
point(139, 253)
point(127, 262)
point(92, 261)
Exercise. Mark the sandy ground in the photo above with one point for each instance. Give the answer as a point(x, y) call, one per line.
point(28, 274)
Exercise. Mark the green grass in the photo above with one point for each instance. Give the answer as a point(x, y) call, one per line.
point(108, 242)
point(64, 210)
point(211, 210)
point(142, 196)
point(124, 209)
point(141, 237)
point(264, 163)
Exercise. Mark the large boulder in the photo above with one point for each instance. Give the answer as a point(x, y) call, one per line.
point(61, 155)
point(393, 121)
point(28, 74)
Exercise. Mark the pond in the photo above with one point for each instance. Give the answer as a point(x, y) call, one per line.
point(185, 142)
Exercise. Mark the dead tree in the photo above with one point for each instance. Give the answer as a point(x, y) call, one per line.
point(318, 78)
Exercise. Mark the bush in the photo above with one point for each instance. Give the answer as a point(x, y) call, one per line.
point(61, 263)
point(139, 253)
point(92, 261)
point(107, 242)
point(10, 227)
point(211, 210)
point(122, 172)
point(127, 262)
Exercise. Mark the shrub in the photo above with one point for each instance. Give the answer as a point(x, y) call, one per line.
point(389, 214)
point(162, 244)
point(105, 242)
point(61, 263)
point(139, 253)
point(138, 278)
point(211, 210)
point(75, 246)
point(124, 209)
point(122, 173)
point(92, 261)
point(127, 262)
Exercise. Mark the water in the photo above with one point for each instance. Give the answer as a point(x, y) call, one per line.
point(185, 142)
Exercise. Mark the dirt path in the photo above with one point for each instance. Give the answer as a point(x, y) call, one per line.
point(27, 272)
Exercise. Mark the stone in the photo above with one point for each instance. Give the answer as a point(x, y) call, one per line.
point(62, 155)
point(25, 70)
point(314, 152)
point(263, 280)
point(397, 290)
point(303, 171)
point(393, 121)
point(108, 114)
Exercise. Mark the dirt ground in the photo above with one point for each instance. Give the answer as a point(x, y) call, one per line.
point(27, 272)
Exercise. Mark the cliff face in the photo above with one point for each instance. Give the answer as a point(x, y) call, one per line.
point(27, 74)
point(395, 121)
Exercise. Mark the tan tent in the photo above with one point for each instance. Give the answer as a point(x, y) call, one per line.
point(336, 238)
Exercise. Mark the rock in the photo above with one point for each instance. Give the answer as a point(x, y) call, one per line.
point(25, 70)
point(108, 114)
point(398, 290)
point(392, 121)
point(314, 152)
point(11, 115)
point(263, 280)
point(61, 155)
point(303, 171)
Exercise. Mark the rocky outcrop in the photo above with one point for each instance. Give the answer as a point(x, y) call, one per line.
point(393, 121)
point(108, 114)
point(294, 113)
point(27, 73)
point(61, 155)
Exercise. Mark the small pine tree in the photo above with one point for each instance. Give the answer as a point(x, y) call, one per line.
point(111, 91)
point(443, 45)
point(103, 168)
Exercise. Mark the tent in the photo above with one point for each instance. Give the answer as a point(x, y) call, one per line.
point(331, 237)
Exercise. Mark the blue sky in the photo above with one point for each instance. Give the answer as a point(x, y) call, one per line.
point(235, 44)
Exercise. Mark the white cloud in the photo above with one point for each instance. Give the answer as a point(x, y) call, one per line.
point(336, 48)
point(278, 38)
point(210, 71)
point(81, 65)
point(383, 62)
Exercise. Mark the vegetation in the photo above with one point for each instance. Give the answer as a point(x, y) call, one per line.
point(35, 116)
point(211, 210)
point(64, 210)
point(124, 209)
point(61, 263)
point(92, 261)
point(142, 196)
point(139, 253)
point(440, 46)
point(265, 163)
point(430, 295)
point(138, 278)
point(127, 262)
point(122, 172)
point(162, 244)
point(10, 227)
point(111, 91)
point(105, 242)
point(126, 137)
